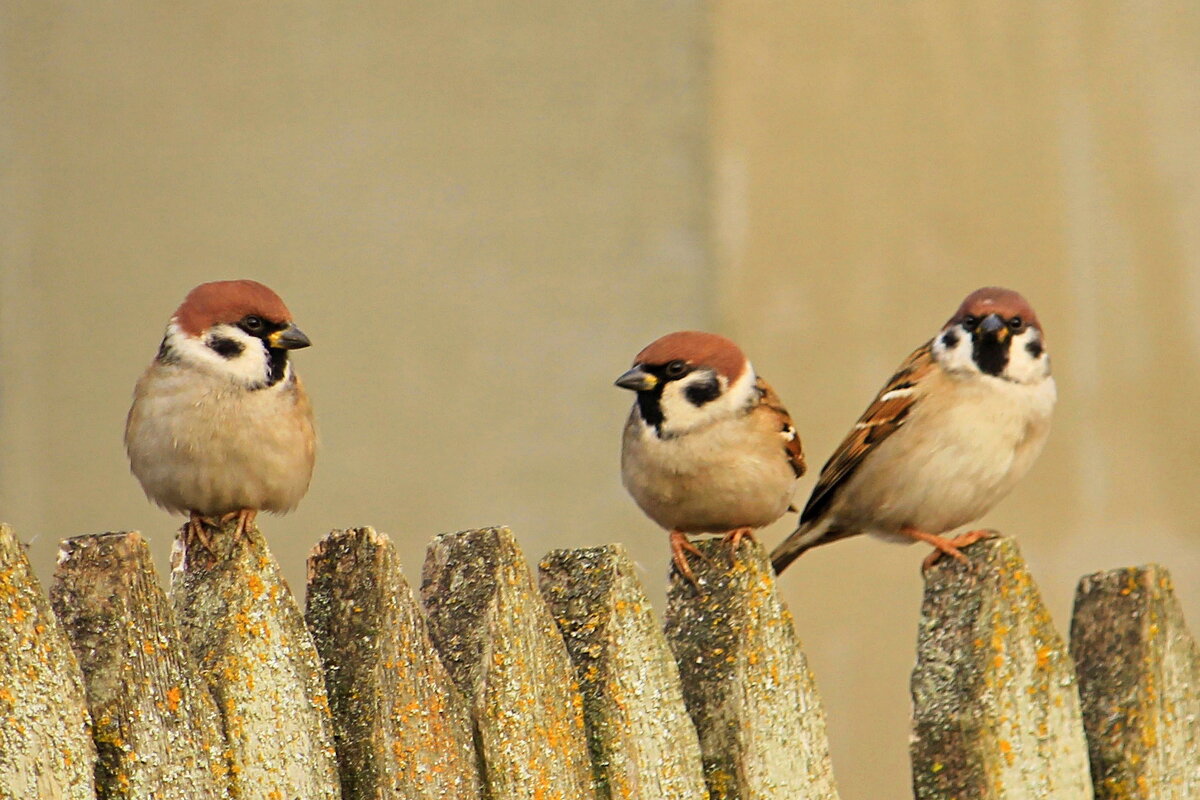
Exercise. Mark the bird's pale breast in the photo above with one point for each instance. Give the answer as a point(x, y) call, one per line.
point(732, 474)
point(200, 443)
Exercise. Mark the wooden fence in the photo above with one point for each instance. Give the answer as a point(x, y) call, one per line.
point(493, 687)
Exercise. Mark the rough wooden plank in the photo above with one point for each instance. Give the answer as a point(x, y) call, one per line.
point(156, 730)
point(995, 706)
point(746, 681)
point(401, 728)
point(504, 651)
point(1139, 679)
point(642, 740)
point(248, 639)
point(46, 747)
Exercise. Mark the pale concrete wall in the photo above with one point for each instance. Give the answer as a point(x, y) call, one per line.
point(874, 163)
point(480, 214)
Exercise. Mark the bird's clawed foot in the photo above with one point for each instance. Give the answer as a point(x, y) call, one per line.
point(950, 547)
point(199, 527)
point(735, 536)
point(680, 547)
point(245, 518)
point(197, 531)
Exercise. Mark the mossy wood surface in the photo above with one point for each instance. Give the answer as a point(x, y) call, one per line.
point(995, 705)
point(156, 727)
point(642, 739)
point(504, 652)
point(402, 729)
point(746, 681)
point(46, 745)
point(247, 636)
point(1139, 679)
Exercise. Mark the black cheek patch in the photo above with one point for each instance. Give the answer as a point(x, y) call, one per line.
point(950, 340)
point(226, 348)
point(1034, 348)
point(703, 392)
point(165, 354)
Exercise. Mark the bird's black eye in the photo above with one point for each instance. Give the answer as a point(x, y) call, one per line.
point(970, 322)
point(676, 368)
point(252, 324)
point(1016, 323)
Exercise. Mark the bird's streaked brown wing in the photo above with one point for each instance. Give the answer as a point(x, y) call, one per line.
point(886, 414)
point(770, 401)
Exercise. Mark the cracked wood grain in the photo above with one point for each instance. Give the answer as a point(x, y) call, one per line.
point(642, 739)
point(996, 711)
point(504, 652)
point(746, 681)
point(247, 637)
point(1139, 679)
point(401, 728)
point(156, 728)
point(46, 747)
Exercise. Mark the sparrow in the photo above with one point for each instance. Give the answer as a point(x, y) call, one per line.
point(708, 446)
point(947, 437)
point(220, 424)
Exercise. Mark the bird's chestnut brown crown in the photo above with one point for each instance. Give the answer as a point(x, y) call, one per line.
point(229, 302)
point(695, 349)
point(1009, 305)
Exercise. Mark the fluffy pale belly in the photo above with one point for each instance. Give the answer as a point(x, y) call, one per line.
point(708, 484)
point(215, 452)
point(936, 475)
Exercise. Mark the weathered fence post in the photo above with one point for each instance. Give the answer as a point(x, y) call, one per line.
point(46, 747)
point(996, 711)
point(504, 651)
point(248, 639)
point(156, 728)
point(746, 681)
point(642, 740)
point(1139, 679)
point(402, 729)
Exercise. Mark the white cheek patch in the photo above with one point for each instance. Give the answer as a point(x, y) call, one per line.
point(250, 367)
point(952, 350)
point(681, 415)
point(1028, 361)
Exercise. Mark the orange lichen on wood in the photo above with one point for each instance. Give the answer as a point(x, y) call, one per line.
point(247, 636)
point(482, 603)
point(46, 747)
point(1000, 722)
point(1139, 676)
point(746, 680)
point(402, 728)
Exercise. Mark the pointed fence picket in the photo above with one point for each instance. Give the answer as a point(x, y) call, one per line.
point(492, 685)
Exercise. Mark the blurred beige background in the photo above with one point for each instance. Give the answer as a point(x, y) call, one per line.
point(479, 213)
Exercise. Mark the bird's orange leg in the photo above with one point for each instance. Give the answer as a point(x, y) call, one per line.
point(196, 532)
point(245, 518)
point(680, 547)
point(950, 547)
point(735, 536)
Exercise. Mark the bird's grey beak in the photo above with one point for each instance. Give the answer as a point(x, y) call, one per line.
point(290, 338)
point(993, 325)
point(637, 380)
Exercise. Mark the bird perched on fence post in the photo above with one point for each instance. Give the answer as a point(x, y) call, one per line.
point(220, 424)
point(946, 438)
point(708, 446)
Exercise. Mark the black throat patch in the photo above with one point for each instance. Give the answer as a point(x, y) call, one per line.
point(279, 360)
point(650, 407)
point(990, 354)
